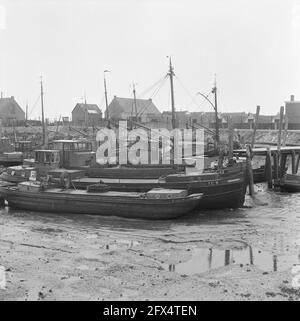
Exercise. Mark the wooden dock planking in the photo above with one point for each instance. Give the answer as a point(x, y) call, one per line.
point(262, 151)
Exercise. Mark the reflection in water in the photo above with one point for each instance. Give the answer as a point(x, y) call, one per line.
point(209, 258)
point(171, 267)
point(251, 255)
point(274, 262)
point(204, 259)
point(227, 257)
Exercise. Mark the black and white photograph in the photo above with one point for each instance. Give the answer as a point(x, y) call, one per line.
point(149, 152)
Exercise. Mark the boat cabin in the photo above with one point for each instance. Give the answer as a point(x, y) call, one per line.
point(47, 156)
point(46, 159)
point(74, 153)
point(71, 145)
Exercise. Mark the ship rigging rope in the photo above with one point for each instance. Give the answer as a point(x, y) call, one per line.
point(187, 91)
point(153, 95)
point(102, 101)
point(146, 135)
point(142, 94)
point(38, 99)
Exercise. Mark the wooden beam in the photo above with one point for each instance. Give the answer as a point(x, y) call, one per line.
point(280, 128)
point(286, 125)
point(249, 170)
point(276, 164)
point(255, 126)
point(268, 168)
point(297, 164)
point(230, 138)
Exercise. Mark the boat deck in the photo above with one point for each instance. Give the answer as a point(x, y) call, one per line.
point(92, 180)
point(83, 192)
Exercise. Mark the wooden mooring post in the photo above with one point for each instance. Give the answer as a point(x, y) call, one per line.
point(230, 139)
point(255, 126)
point(280, 128)
point(249, 170)
point(276, 165)
point(279, 160)
point(294, 162)
point(286, 126)
point(297, 164)
point(269, 169)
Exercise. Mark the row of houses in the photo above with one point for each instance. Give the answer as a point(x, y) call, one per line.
point(144, 111)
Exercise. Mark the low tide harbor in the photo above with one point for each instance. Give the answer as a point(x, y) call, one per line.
point(245, 254)
point(150, 153)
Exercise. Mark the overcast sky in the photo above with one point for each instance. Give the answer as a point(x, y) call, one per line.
point(253, 46)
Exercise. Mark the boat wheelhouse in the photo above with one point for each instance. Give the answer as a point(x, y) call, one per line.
point(74, 153)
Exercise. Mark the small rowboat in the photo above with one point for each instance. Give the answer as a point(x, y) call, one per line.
point(155, 204)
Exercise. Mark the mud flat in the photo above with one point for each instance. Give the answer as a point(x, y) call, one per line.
point(246, 254)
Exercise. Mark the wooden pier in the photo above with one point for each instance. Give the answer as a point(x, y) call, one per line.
point(275, 162)
point(263, 151)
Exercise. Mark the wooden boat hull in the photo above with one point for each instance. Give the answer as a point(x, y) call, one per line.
point(132, 172)
point(225, 190)
point(290, 183)
point(81, 202)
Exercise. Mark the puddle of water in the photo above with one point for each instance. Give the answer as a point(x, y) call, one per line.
point(117, 244)
point(204, 259)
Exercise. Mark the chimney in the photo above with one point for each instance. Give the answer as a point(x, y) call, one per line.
point(292, 97)
point(1, 94)
point(12, 97)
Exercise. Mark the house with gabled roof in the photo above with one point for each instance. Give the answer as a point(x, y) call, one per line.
point(127, 108)
point(10, 111)
point(85, 114)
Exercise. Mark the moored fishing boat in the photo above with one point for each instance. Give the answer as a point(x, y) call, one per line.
point(224, 188)
point(133, 172)
point(155, 204)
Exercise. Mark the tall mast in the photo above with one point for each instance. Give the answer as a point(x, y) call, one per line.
point(171, 74)
point(214, 90)
point(42, 106)
point(105, 93)
point(135, 105)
